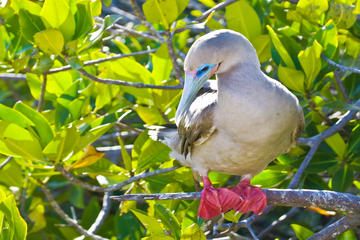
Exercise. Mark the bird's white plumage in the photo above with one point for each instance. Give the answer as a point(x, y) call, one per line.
point(250, 120)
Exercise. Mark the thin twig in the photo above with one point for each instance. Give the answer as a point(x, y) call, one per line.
point(335, 229)
point(42, 94)
point(22, 77)
point(314, 142)
point(141, 16)
point(215, 8)
point(101, 60)
point(342, 67)
point(12, 77)
point(6, 161)
point(64, 216)
point(104, 212)
point(111, 188)
point(125, 126)
point(341, 86)
point(284, 217)
point(130, 84)
point(296, 179)
point(276, 197)
point(172, 55)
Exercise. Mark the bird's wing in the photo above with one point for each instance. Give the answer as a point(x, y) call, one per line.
point(197, 124)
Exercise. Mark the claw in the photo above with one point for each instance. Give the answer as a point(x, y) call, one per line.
point(253, 198)
point(214, 201)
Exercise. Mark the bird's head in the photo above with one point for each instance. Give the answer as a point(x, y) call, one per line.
point(216, 52)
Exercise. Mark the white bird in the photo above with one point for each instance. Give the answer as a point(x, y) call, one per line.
point(236, 125)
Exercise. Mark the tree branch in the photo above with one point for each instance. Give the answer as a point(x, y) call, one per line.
point(101, 60)
point(124, 83)
point(112, 188)
point(336, 228)
point(104, 212)
point(6, 161)
point(276, 197)
point(282, 218)
point(64, 216)
point(342, 67)
point(12, 77)
point(215, 8)
point(341, 86)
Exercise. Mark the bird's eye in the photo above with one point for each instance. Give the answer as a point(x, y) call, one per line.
point(202, 70)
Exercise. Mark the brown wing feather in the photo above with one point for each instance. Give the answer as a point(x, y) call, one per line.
point(197, 124)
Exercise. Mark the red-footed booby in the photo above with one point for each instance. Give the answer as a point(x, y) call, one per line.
point(236, 125)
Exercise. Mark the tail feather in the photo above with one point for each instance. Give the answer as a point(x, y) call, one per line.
point(168, 135)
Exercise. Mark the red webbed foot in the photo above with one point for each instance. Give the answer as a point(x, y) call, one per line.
point(214, 201)
point(253, 198)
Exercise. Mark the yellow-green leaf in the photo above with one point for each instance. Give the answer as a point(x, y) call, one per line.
point(50, 41)
point(285, 56)
point(262, 45)
point(161, 11)
point(193, 232)
point(241, 17)
point(55, 12)
point(292, 78)
point(311, 63)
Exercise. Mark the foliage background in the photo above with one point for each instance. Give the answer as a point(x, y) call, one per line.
point(50, 119)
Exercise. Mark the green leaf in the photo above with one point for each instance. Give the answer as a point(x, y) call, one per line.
point(241, 17)
point(335, 142)
point(161, 11)
point(342, 15)
point(162, 65)
point(41, 125)
point(152, 152)
point(13, 116)
point(301, 232)
point(321, 162)
point(348, 235)
point(328, 38)
point(38, 218)
point(312, 10)
point(168, 219)
point(92, 135)
point(292, 78)
point(50, 41)
point(30, 6)
point(55, 12)
point(357, 7)
point(125, 155)
point(84, 21)
point(232, 216)
point(127, 226)
point(311, 62)
point(193, 232)
point(342, 179)
point(30, 24)
point(17, 225)
point(2, 43)
point(62, 145)
point(18, 142)
point(150, 223)
point(354, 141)
point(150, 115)
point(269, 178)
point(262, 45)
point(280, 48)
point(12, 175)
